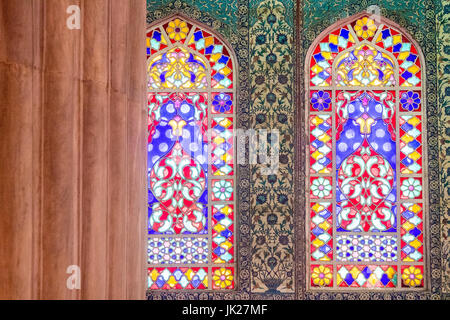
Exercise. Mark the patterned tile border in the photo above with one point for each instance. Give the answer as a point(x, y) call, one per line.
point(443, 64)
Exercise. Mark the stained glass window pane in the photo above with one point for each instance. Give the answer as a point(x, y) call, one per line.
point(365, 121)
point(191, 173)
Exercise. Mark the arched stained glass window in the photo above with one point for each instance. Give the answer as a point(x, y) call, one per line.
point(191, 175)
point(365, 186)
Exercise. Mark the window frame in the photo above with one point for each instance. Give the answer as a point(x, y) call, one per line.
point(234, 90)
point(306, 133)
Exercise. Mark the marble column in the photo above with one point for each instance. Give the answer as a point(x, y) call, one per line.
point(72, 149)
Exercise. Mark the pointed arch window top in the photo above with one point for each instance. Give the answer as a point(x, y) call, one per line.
point(178, 43)
point(365, 51)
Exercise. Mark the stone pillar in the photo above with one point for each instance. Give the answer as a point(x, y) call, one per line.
point(72, 149)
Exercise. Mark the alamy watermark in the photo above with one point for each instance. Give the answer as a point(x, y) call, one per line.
point(263, 145)
point(375, 13)
point(73, 22)
point(74, 280)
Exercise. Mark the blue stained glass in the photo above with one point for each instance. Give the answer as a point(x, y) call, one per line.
point(386, 33)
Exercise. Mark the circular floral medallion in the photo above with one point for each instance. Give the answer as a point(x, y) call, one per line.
point(321, 187)
point(222, 103)
point(365, 28)
point(412, 276)
point(222, 189)
point(223, 278)
point(411, 188)
point(410, 100)
point(321, 276)
point(320, 100)
point(177, 30)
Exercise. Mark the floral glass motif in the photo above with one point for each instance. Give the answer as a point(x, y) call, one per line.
point(365, 178)
point(191, 173)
